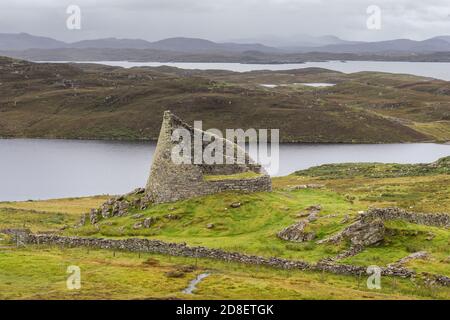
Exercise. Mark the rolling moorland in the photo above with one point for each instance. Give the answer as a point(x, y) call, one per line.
point(341, 191)
point(88, 101)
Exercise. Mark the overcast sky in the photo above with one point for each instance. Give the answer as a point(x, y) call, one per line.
point(226, 19)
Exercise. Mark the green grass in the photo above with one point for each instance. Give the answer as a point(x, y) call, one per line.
point(404, 239)
point(377, 170)
point(48, 215)
point(251, 228)
point(40, 273)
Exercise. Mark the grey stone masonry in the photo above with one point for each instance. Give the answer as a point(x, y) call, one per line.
point(170, 182)
point(441, 220)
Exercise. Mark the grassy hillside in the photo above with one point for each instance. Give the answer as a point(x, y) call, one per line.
point(253, 226)
point(100, 102)
point(214, 221)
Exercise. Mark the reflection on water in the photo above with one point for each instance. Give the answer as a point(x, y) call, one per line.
point(43, 169)
point(438, 70)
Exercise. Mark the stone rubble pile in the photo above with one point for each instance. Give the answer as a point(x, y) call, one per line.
point(361, 233)
point(422, 255)
point(297, 232)
point(117, 207)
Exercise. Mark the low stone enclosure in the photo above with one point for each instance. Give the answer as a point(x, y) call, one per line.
point(441, 220)
point(170, 182)
point(367, 230)
point(176, 249)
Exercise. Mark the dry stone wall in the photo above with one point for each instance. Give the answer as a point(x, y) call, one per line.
point(181, 249)
point(429, 219)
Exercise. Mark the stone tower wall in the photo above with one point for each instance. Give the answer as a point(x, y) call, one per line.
point(169, 182)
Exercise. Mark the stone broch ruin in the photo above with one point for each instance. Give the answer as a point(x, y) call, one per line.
point(169, 182)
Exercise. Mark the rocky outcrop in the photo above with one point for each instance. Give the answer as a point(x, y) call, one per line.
point(422, 255)
point(432, 279)
point(146, 223)
point(370, 230)
point(353, 251)
point(117, 207)
point(149, 222)
point(361, 233)
point(94, 217)
point(296, 233)
point(305, 186)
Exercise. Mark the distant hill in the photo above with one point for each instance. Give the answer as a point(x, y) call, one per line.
point(301, 41)
point(23, 41)
point(194, 45)
point(445, 38)
point(333, 44)
point(281, 50)
point(391, 46)
point(112, 43)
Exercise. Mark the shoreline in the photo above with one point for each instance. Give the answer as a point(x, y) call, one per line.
point(287, 142)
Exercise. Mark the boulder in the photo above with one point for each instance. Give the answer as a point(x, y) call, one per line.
point(315, 208)
point(144, 203)
point(138, 225)
point(123, 207)
point(346, 219)
point(106, 210)
point(305, 186)
point(172, 216)
point(365, 233)
point(430, 236)
point(235, 205)
point(149, 222)
point(296, 233)
point(313, 216)
point(302, 214)
point(83, 220)
point(94, 216)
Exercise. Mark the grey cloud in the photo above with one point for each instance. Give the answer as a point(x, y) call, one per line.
point(227, 19)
